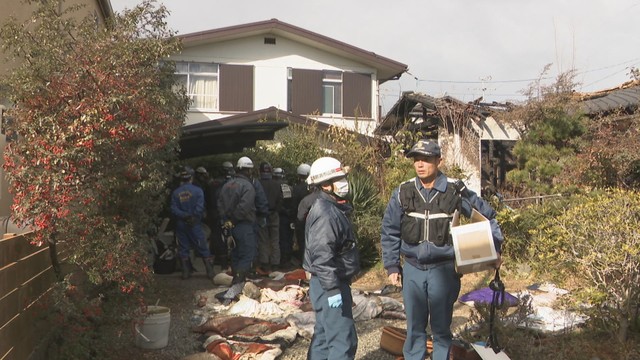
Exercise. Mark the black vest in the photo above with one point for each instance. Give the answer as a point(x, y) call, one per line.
point(414, 228)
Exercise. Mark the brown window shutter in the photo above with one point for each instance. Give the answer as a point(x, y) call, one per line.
point(306, 88)
point(236, 87)
point(356, 95)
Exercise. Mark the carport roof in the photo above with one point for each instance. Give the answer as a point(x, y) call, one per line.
point(234, 133)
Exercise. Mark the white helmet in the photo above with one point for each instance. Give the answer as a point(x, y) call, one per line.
point(278, 172)
point(244, 163)
point(325, 169)
point(303, 169)
point(227, 165)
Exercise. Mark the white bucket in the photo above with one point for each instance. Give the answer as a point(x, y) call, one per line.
point(153, 333)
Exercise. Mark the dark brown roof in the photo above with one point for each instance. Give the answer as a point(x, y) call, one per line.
point(233, 133)
point(387, 69)
point(626, 99)
point(237, 132)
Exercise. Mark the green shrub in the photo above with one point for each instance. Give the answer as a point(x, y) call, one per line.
point(519, 226)
point(367, 216)
point(396, 169)
point(595, 242)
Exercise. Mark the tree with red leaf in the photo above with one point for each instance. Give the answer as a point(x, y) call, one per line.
point(98, 119)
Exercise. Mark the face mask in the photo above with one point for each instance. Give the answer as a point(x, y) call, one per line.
point(341, 187)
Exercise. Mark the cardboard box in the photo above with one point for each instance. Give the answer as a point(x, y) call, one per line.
point(473, 244)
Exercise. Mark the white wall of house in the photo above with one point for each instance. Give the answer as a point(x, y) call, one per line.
point(271, 63)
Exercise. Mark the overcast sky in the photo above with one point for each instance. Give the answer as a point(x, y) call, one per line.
point(461, 48)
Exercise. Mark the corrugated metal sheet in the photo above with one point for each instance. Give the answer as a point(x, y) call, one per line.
point(490, 129)
point(622, 99)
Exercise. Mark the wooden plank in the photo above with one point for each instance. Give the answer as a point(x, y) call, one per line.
point(8, 279)
point(26, 278)
point(22, 333)
point(33, 264)
point(16, 248)
point(35, 287)
point(9, 337)
point(8, 355)
point(18, 273)
point(37, 323)
point(10, 306)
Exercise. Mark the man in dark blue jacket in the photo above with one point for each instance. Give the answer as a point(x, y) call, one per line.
point(416, 225)
point(331, 256)
point(187, 205)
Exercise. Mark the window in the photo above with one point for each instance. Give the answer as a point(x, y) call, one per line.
point(201, 82)
point(289, 89)
point(332, 92)
point(326, 92)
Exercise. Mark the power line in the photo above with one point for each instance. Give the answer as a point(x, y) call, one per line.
point(518, 80)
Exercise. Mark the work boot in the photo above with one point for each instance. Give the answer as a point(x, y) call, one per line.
point(192, 268)
point(239, 277)
point(186, 268)
point(208, 265)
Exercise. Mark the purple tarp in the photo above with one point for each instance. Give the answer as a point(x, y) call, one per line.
point(485, 295)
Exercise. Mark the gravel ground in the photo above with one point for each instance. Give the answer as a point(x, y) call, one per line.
point(178, 295)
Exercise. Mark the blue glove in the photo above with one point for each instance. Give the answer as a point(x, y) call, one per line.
point(335, 301)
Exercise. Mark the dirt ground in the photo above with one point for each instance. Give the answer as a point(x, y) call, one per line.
point(177, 294)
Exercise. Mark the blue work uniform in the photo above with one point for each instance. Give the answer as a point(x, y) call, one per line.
point(430, 284)
point(331, 256)
point(187, 205)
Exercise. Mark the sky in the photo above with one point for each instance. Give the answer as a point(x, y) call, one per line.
point(461, 48)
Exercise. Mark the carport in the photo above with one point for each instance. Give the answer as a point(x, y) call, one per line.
point(234, 133)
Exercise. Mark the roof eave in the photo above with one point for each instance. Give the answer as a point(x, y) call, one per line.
point(388, 69)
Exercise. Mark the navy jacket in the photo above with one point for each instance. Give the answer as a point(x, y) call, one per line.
point(331, 251)
point(423, 254)
point(188, 200)
point(237, 200)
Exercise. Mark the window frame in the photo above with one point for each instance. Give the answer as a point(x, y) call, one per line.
point(330, 81)
point(189, 74)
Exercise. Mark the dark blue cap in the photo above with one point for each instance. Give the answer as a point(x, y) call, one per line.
point(425, 147)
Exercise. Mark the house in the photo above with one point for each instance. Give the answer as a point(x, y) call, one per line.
point(624, 100)
point(253, 67)
point(100, 10)
point(615, 120)
point(471, 138)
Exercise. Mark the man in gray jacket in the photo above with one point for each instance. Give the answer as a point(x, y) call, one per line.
point(237, 210)
point(331, 256)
